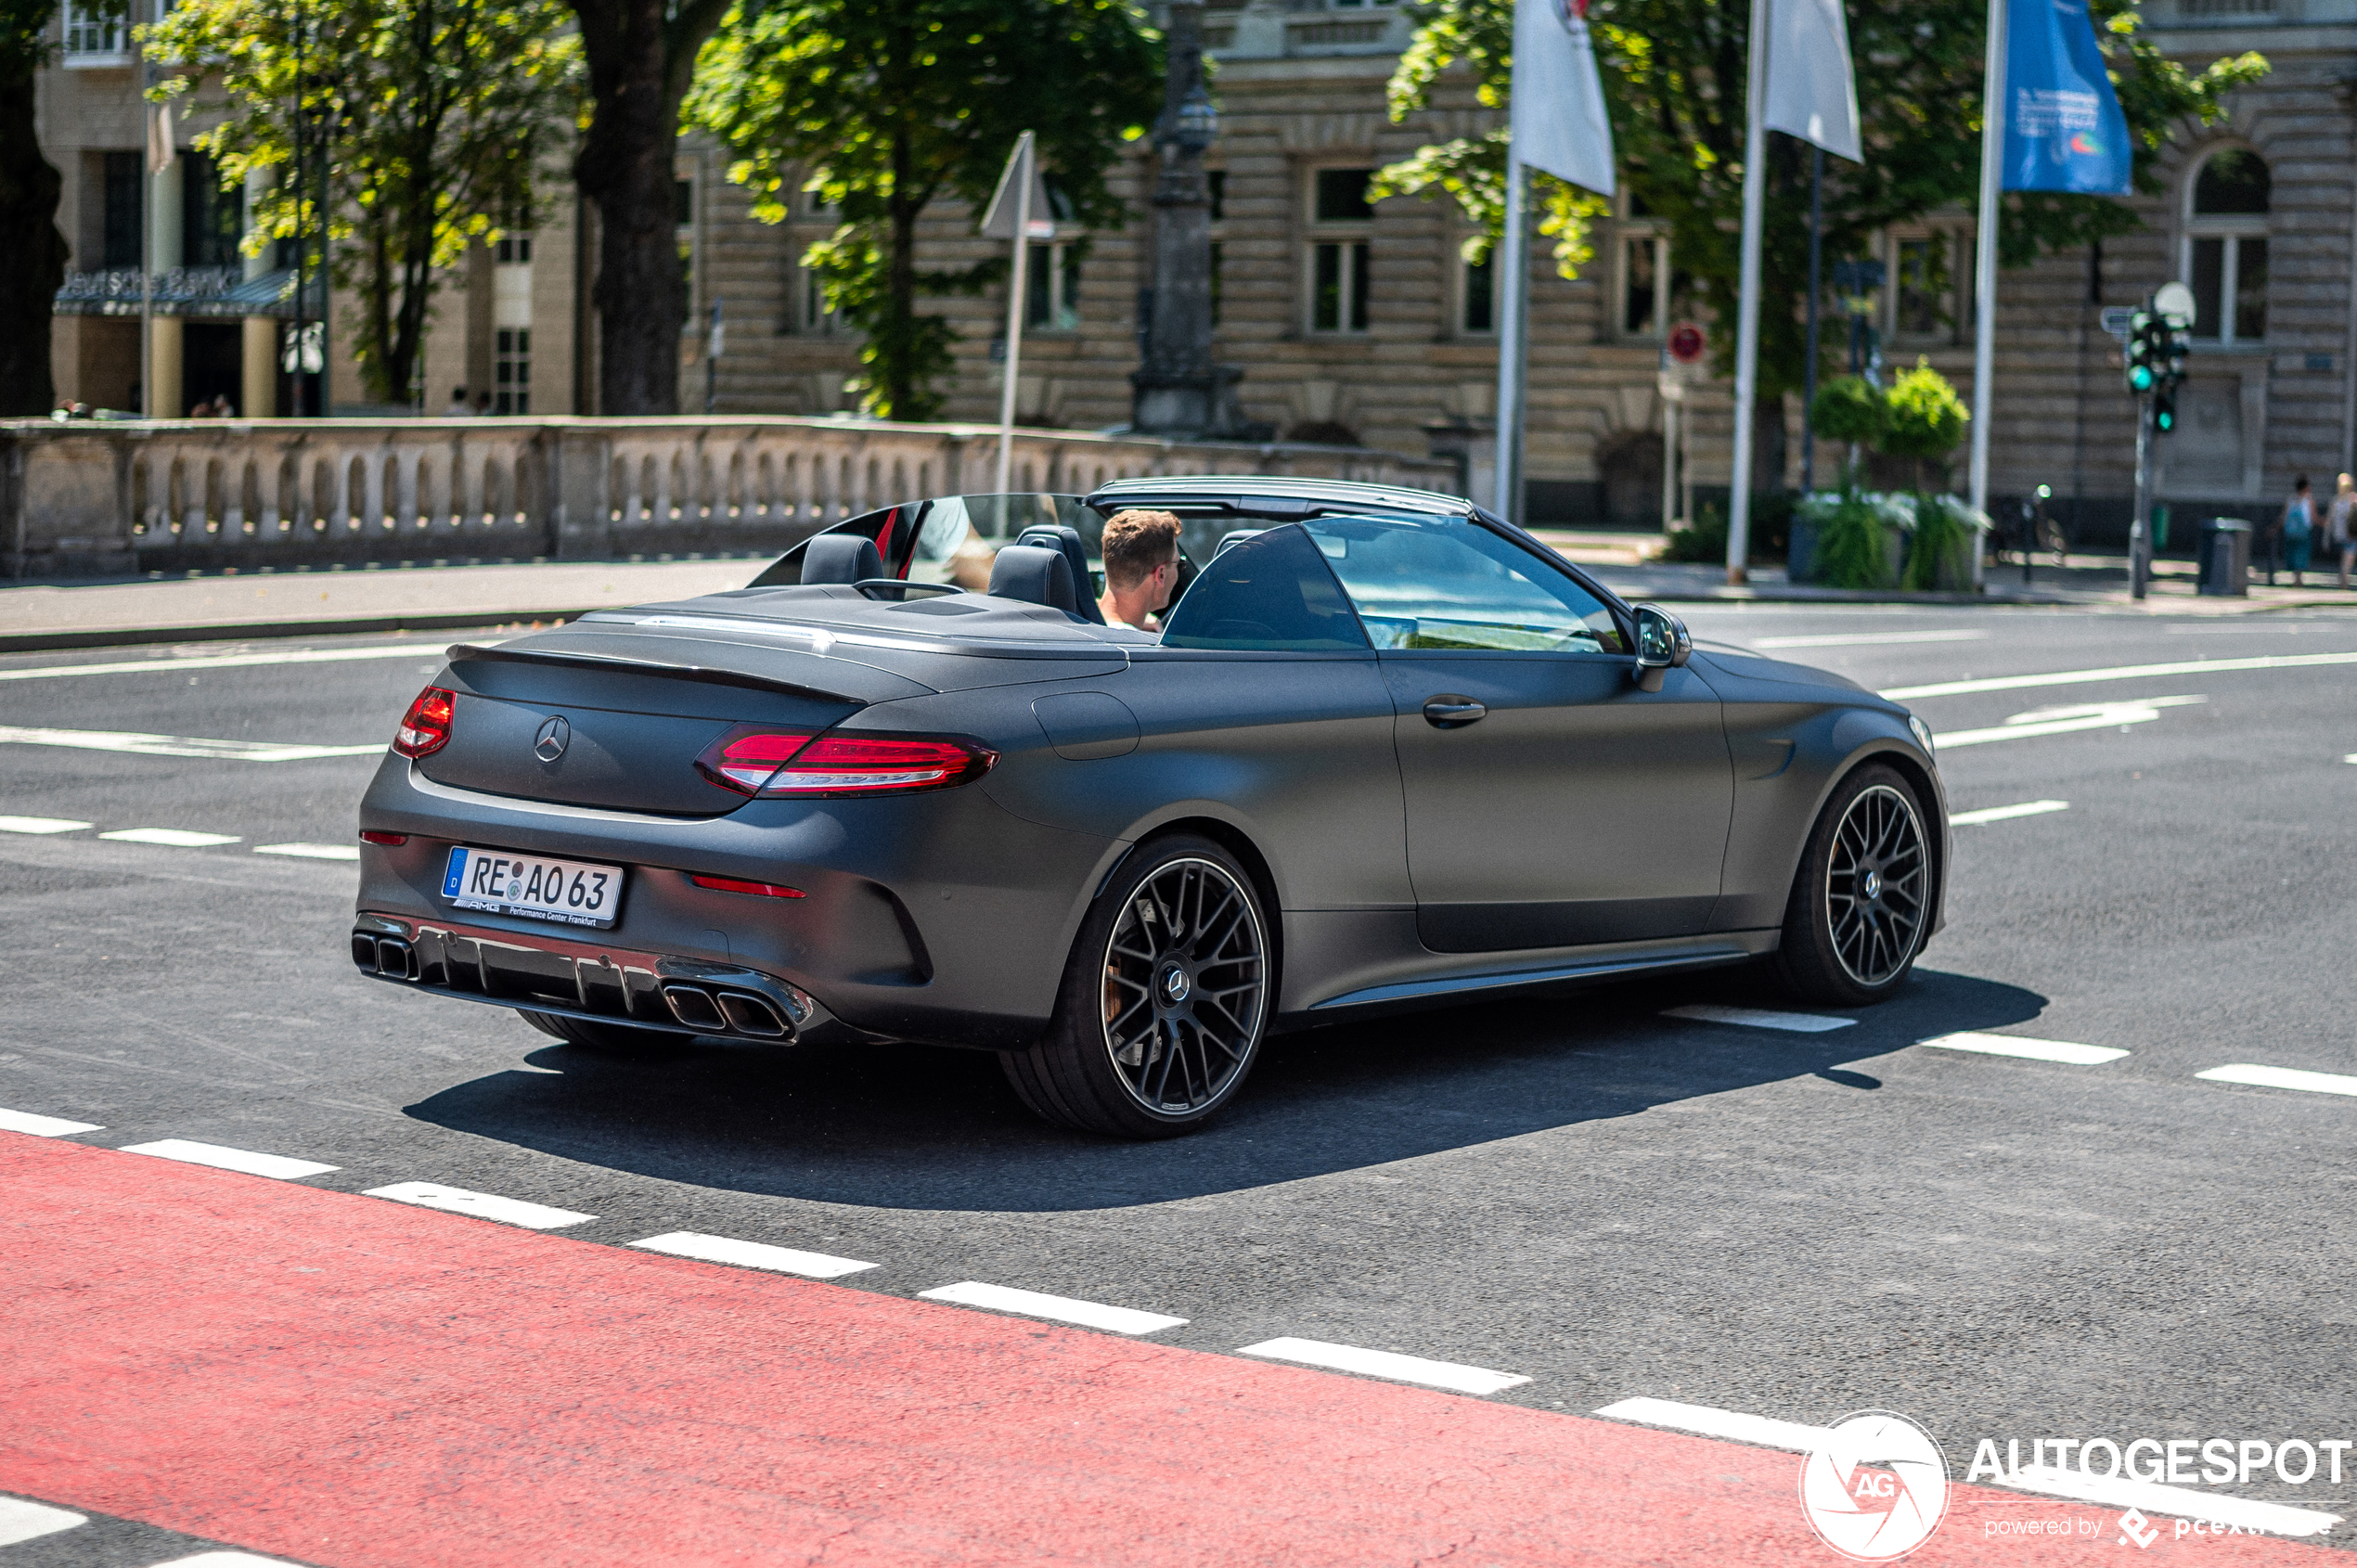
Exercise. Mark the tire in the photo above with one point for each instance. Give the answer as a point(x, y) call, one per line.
point(1861, 901)
point(1165, 1001)
point(610, 1039)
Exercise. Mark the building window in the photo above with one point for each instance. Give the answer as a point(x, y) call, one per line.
point(683, 200)
point(127, 192)
point(816, 318)
point(1644, 265)
point(2226, 247)
point(1051, 286)
point(1215, 182)
point(514, 249)
point(93, 37)
point(1338, 259)
point(1923, 302)
point(1477, 294)
point(511, 371)
point(213, 219)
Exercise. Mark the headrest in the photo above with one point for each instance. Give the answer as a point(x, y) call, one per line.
point(1066, 539)
point(840, 557)
point(1236, 536)
point(1033, 575)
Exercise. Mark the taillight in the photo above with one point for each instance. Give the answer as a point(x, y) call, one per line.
point(426, 727)
point(733, 884)
point(388, 840)
point(772, 762)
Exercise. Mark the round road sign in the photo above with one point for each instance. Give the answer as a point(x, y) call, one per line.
point(1687, 343)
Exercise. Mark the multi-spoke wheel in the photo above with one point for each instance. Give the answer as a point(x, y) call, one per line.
point(1862, 904)
point(1165, 1000)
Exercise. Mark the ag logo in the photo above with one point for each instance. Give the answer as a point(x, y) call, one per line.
point(1876, 1488)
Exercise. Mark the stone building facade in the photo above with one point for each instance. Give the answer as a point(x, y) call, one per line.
point(1353, 321)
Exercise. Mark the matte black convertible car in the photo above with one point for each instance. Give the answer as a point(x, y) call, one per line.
point(1387, 751)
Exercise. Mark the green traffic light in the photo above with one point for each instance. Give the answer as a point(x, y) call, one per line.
point(2166, 420)
point(2141, 377)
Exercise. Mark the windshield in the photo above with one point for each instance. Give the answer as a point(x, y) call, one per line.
point(1448, 583)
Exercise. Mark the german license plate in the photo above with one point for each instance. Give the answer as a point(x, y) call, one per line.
point(504, 882)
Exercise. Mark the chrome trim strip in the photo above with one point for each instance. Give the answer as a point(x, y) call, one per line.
point(1457, 984)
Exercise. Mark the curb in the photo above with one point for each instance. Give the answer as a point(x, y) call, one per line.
point(128, 637)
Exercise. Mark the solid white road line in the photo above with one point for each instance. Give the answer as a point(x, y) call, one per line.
point(2118, 673)
point(1866, 639)
point(226, 1560)
point(173, 837)
point(753, 1255)
point(40, 825)
point(22, 1521)
point(1713, 1423)
point(429, 651)
point(178, 745)
point(2021, 1044)
point(1757, 1018)
point(1386, 1364)
point(2281, 1078)
point(313, 851)
point(2118, 1491)
point(483, 1205)
point(2005, 813)
point(2350, 758)
point(2063, 721)
point(1063, 1309)
point(245, 1160)
point(44, 1126)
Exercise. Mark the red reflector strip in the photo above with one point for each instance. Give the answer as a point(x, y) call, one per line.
point(384, 838)
point(731, 884)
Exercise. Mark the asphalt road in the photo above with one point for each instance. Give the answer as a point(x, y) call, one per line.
point(1581, 1190)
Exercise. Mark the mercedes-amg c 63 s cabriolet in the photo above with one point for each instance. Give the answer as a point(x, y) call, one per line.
point(1385, 751)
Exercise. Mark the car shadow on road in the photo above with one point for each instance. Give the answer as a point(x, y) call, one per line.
point(908, 1128)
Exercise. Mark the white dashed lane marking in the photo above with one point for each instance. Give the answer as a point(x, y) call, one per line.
point(483, 1205)
point(1866, 639)
point(2281, 1078)
point(1061, 1310)
point(1711, 1422)
point(1759, 1018)
point(2036, 1050)
point(226, 1560)
point(223, 661)
point(22, 1521)
point(40, 825)
point(311, 852)
point(753, 1255)
point(1386, 1364)
point(173, 838)
point(2005, 813)
point(44, 1126)
point(2066, 721)
point(2118, 672)
point(178, 745)
point(277, 1166)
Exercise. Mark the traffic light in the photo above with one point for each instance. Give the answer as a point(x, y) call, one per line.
point(2164, 408)
point(2146, 350)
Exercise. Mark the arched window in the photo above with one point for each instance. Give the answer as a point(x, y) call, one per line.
point(2226, 247)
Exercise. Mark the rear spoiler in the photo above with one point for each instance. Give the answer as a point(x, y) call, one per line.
point(703, 673)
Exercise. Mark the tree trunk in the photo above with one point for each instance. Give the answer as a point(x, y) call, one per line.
point(626, 169)
point(34, 263)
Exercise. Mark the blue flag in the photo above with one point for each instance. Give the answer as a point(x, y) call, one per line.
point(2063, 130)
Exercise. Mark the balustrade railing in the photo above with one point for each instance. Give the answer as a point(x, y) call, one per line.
point(83, 498)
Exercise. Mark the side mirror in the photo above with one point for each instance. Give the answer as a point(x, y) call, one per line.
point(1663, 645)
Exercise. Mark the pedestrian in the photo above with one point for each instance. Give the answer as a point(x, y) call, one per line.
point(2299, 528)
point(482, 405)
point(458, 409)
point(2343, 536)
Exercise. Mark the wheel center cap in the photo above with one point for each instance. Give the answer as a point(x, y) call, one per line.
point(1869, 885)
point(1176, 984)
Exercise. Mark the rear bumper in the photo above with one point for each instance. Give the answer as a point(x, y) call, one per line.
point(596, 981)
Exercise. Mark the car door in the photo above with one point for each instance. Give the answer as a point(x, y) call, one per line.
point(1550, 801)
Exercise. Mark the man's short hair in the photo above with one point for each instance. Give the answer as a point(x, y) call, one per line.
point(1137, 542)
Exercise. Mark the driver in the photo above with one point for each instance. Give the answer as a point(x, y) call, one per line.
point(1141, 567)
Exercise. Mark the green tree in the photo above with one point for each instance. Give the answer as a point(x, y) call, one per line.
point(1674, 75)
point(880, 108)
point(34, 265)
point(436, 109)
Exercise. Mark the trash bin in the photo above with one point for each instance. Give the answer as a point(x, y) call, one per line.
point(2223, 566)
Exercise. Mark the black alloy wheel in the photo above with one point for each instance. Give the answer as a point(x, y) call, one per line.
point(1861, 904)
point(1165, 1000)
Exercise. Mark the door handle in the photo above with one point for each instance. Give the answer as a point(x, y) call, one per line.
point(1450, 711)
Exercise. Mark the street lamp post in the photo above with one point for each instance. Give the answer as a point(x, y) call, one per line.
point(1178, 392)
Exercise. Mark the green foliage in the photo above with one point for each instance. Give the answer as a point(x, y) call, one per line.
point(1946, 532)
point(1923, 418)
point(1705, 540)
point(879, 110)
point(1854, 532)
point(1702, 541)
point(1674, 75)
point(1848, 408)
point(438, 109)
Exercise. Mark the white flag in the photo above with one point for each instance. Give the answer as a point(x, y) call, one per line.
point(998, 220)
point(160, 151)
point(1559, 123)
point(1810, 91)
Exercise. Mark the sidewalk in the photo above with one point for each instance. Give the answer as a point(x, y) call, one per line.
point(41, 615)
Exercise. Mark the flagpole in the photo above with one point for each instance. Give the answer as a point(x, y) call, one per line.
point(1747, 306)
point(1513, 276)
point(1018, 298)
point(1984, 342)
